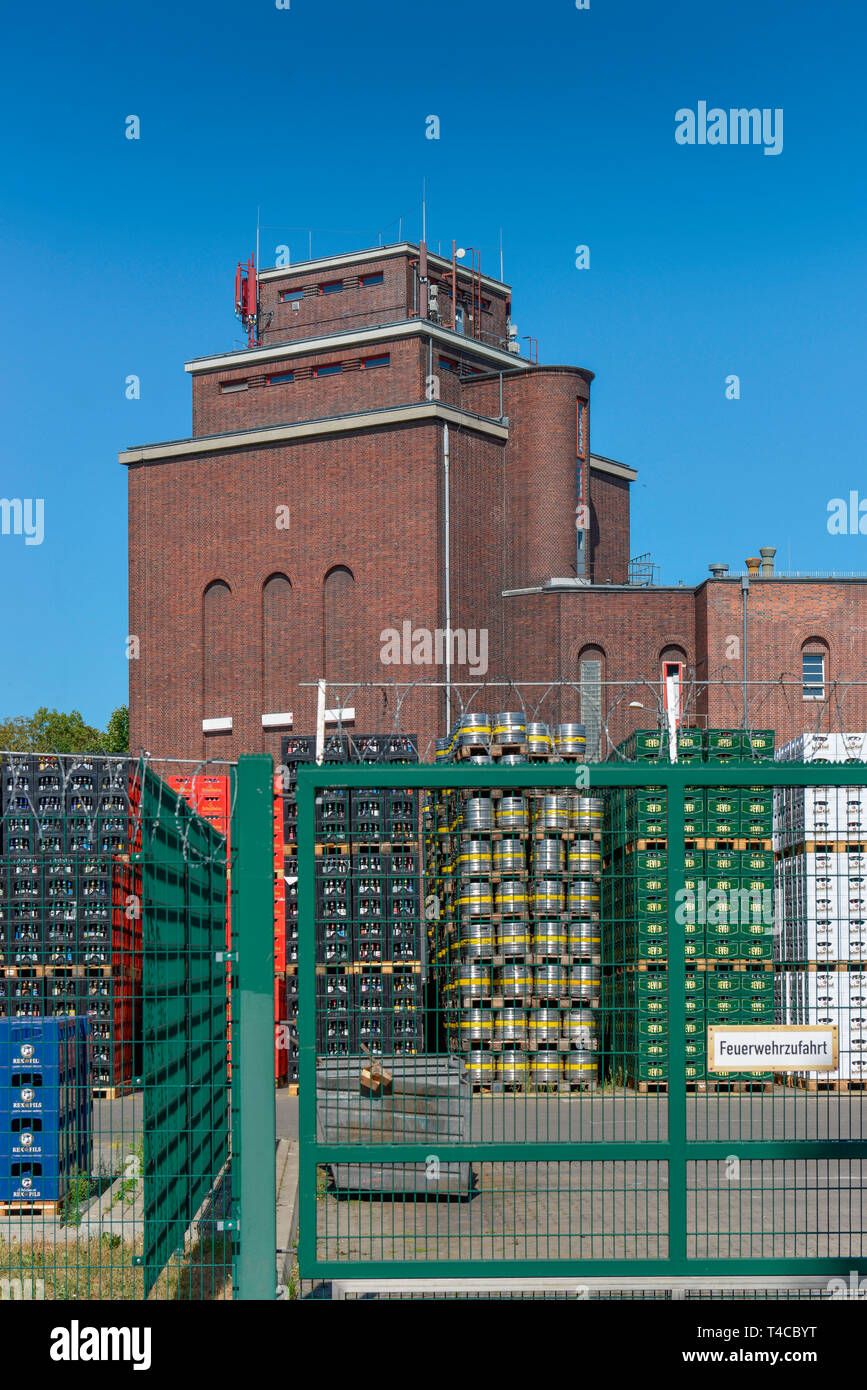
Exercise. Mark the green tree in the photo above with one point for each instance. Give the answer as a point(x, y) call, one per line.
point(52, 731)
point(117, 732)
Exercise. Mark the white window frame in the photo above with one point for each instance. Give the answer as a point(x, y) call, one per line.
point(813, 689)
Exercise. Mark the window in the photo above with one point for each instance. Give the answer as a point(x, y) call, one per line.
point(280, 377)
point(374, 278)
point(291, 296)
point(227, 386)
point(368, 362)
point(331, 287)
point(447, 364)
point(813, 671)
point(581, 429)
point(590, 686)
point(328, 369)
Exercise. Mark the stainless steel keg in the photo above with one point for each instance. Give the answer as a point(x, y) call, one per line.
point(583, 898)
point(510, 1025)
point(581, 1028)
point(509, 856)
point(545, 1068)
point(585, 981)
point(474, 727)
point(538, 738)
point(549, 981)
point(514, 981)
point(477, 940)
point(585, 857)
point(544, 1026)
point(513, 939)
point(473, 981)
point(550, 938)
point(548, 857)
point(551, 812)
point(475, 1026)
point(475, 899)
point(478, 813)
point(511, 813)
point(581, 1068)
point(586, 813)
point(583, 939)
point(509, 728)
point(570, 739)
point(510, 898)
point(547, 897)
point(481, 1067)
point(474, 858)
point(513, 1068)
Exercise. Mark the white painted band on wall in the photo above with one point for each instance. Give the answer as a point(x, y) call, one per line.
point(217, 726)
point(277, 721)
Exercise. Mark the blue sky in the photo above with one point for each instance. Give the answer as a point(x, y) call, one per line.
point(557, 125)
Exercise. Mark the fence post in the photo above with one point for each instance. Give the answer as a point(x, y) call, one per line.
point(254, 1140)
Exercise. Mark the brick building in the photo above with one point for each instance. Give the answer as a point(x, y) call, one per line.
point(385, 457)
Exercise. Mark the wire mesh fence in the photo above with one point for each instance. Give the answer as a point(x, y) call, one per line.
point(524, 999)
point(115, 1135)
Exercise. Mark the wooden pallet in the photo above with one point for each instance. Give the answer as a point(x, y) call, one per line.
point(647, 1088)
point(70, 972)
point(852, 846)
point(814, 1085)
point(501, 750)
point(8, 1210)
point(326, 847)
point(113, 1092)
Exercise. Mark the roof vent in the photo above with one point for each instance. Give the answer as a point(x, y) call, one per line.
point(718, 571)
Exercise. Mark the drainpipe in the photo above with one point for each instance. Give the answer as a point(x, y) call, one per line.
point(448, 593)
point(745, 588)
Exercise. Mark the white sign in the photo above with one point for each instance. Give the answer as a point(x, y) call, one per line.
point(772, 1047)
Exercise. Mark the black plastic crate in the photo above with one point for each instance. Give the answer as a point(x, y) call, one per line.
point(403, 861)
point(18, 776)
point(402, 748)
point(24, 879)
point(369, 807)
point(114, 774)
point(404, 939)
point(372, 860)
point(333, 942)
point(367, 748)
point(332, 814)
point(20, 837)
point(81, 834)
point(297, 748)
point(402, 815)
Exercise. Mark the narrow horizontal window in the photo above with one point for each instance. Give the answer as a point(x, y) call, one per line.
point(373, 279)
point(227, 386)
point(448, 365)
point(329, 369)
point(280, 377)
point(331, 287)
point(368, 362)
point(291, 296)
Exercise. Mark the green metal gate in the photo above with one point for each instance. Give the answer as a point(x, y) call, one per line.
point(183, 893)
point(658, 1182)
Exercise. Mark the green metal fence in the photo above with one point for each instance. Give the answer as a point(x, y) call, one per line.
point(617, 1169)
point(136, 1036)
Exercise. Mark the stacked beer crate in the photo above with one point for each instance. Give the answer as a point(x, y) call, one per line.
point(515, 937)
point(369, 940)
point(46, 1112)
point(726, 915)
point(820, 842)
point(70, 934)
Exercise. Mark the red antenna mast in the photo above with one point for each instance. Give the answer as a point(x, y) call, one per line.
point(247, 299)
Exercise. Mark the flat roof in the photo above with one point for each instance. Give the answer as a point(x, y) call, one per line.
point(400, 328)
point(372, 253)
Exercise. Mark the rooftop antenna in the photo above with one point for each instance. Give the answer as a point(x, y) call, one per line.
point(501, 253)
point(258, 212)
point(424, 209)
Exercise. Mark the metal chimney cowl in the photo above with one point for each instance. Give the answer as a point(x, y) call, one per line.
point(767, 553)
point(753, 563)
